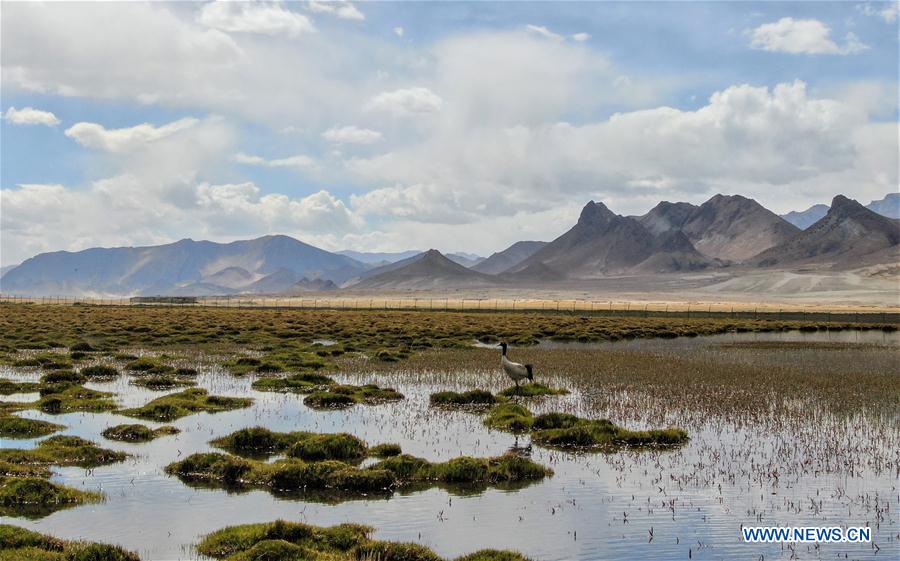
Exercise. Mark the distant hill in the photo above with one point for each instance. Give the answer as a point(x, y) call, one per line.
point(535, 274)
point(314, 285)
point(428, 270)
point(848, 236)
point(8, 268)
point(888, 206)
point(667, 216)
point(805, 219)
point(378, 258)
point(508, 258)
point(467, 260)
point(674, 252)
point(184, 267)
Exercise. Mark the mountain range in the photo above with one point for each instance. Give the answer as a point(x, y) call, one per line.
point(889, 206)
point(727, 232)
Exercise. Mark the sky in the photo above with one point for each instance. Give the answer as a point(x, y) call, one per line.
point(382, 126)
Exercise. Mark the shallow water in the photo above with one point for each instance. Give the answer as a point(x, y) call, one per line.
point(596, 506)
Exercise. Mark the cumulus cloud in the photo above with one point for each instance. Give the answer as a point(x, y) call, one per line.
point(254, 17)
point(339, 8)
point(351, 135)
point(887, 11)
point(581, 37)
point(406, 102)
point(30, 116)
point(802, 36)
point(299, 161)
point(93, 135)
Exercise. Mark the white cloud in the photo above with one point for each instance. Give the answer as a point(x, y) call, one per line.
point(581, 37)
point(802, 36)
point(254, 17)
point(888, 13)
point(351, 135)
point(299, 161)
point(544, 32)
point(30, 116)
point(408, 101)
point(339, 8)
point(93, 135)
point(398, 31)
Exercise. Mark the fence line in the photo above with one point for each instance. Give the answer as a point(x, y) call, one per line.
point(580, 307)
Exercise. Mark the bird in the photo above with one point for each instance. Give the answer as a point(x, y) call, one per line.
point(515, 370)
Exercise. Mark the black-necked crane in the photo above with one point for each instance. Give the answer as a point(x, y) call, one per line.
point(515, 370)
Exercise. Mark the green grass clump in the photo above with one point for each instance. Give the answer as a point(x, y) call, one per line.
point(99, 371)
point(562, 430)
point(305, 382)
point(68, 398)
point(340, 396)
point(295, 541)
point(465, 469)
point(20, 544)
point(162, 382)
point(8, 387)
point(63, 450)
point(509, 417)
point(532, 390)
point(334, 543)
point(177, 405)
point(19, 427)
point(37, 496)
point(469, 398)
point(137, 433)
point(47, 361)
point(258, 441)
point(342, 446)
point(146, 365)
point(58, 376)
point(385, 450)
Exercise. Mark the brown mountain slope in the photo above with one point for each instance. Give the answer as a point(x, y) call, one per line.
point(508, 258)
point(674, 252)
point(736, 228)
point(848, 237)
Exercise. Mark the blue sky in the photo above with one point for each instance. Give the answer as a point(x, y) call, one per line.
point(461, 126)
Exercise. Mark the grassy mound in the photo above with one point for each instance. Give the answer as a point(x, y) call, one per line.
point(385, 450)
point(532, 390)
point(8, 387)
point(469, 398)
point(20, 544)
point(341, 396)
point(297, 383)
point(295, 541)
point(69, 398)
point(162, 382)
point(149, 366)
point(258, 441)
point(137, 433)
point(18, 427)
point(99, 371)
point(509, 417)
point(58, 376)
point(321, 471)
point(35, 496)
point(562, 430)
point(63, 451)
point(177, 405)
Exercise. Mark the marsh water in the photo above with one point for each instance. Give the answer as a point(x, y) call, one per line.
point(688, 503)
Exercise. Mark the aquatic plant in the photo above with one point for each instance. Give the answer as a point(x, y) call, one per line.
point(532, 390)
point(304, 382)
point(340, 396)
point(99, 371)
point(177, 405)
point(162, 382)
point(9, 387)
point(137, 433)
point(68, 398)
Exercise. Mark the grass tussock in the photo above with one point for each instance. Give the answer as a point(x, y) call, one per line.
point(12, 426)
point(20, 544)
point(534, 389)
point(68, 398)
point(9, 387)
point(99, 372)
point(306, 382)
point(255, 442)
point(471, 398)
point(137, 433)
point(177, 405)
point(295, 541)
point(386, 450)
point(62, 450)
point(35, 496)
point(341, 396)
point(162, 382)
point(562, 430)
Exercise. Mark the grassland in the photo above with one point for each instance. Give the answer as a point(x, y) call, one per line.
point(19, 544)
